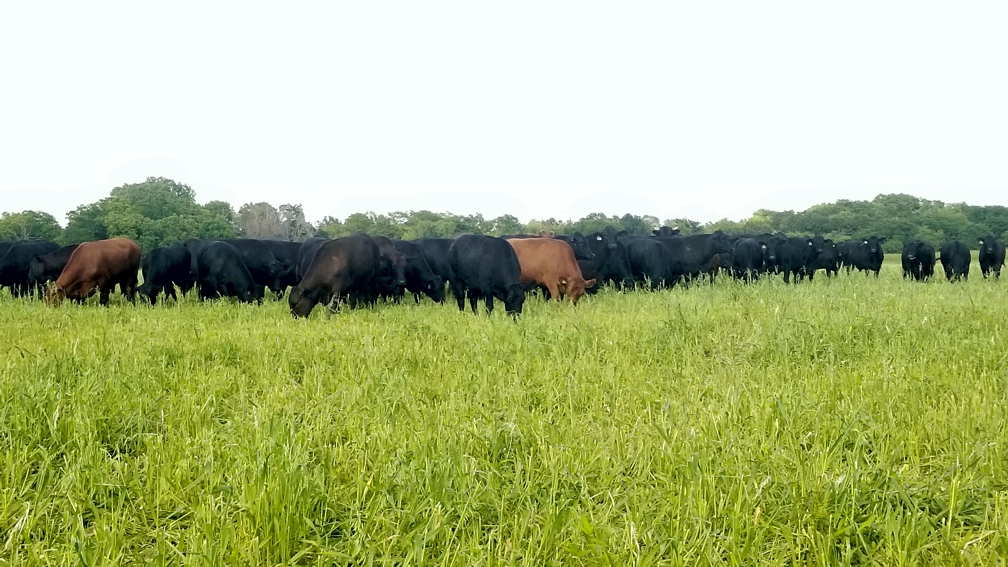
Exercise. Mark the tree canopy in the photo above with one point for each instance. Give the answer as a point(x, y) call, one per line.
point(160, 211)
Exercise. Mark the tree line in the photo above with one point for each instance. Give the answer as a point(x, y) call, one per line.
point(160, 211)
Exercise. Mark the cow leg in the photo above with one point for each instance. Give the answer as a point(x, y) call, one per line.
point(489, 300)
point(103, 296)
point(553, 290)
point(473, 298)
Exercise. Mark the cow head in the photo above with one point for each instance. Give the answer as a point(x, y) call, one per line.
point(546, 234)
point(666, 231)
point(54, 295)
point(435, 289)
point(575, 287)
point(300, 304)
point(581, 248)
point(818, 243)
point(874, 244)
point(514, 299)
point(988, 246)
point(36, 271)
point(606, 238)
point(721, 242)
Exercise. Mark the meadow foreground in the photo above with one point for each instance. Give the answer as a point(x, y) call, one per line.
point(852, 421)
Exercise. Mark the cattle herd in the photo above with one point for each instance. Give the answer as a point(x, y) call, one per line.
point(360, 269)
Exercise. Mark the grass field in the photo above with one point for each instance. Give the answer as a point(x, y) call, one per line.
point(851, 421)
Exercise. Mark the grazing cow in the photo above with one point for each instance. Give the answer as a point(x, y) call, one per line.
point(865, 255)
point(100, 266)
point(689, 256)
point(287, 254)
point(221, 272)
point(16, 263)
point(918, 260)
point(956, 259)
point(261, 263)
point(435, 250)
point(339, 268)
point(827, 260)
point(306, 252)
point(992, 256)
point(419, 277)
point(666, 231)
point(748, 259)
point(165, 268)
point(48, 267)
point(550, 264)
point(393, 271)
point(487, 267)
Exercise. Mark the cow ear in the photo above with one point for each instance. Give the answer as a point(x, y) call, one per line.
point(623, 233)
point(655, 232)
point(882, 240)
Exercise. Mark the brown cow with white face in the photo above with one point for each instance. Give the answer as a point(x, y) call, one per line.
point(98, 266)
point(550, 263)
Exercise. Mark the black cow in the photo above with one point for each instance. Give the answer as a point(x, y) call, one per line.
point(798, 257)
point(221, 271)
point(610, 264)
point(956, 259)
point(918, 260)
point(338, 269)
point(690, 256)
point(16, 263)
point(419, 277)
point(827, 260)
point(648, 259)
point(992, 256)
point(262, 264)
point(165, 268)
point(435, 250)
point(306, 252)
point(47, 268)
point(287, 254)
point(748, 260)
point(865, 255)
point(487, 267)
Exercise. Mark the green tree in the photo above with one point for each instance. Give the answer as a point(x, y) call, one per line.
point(29, 225)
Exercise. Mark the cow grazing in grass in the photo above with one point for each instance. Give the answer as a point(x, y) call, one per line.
point(98, 266)
point(339, 268)
point(550, 264)
point(484, 267)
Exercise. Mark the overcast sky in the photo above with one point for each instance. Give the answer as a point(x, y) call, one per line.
point(537, 109)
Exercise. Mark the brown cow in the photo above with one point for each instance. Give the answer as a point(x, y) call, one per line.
point(98, 265)
point(550, 263)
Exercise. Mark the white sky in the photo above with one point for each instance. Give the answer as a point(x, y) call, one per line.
point(537, 109)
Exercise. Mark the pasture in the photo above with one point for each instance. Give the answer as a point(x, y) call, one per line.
point(850, 421)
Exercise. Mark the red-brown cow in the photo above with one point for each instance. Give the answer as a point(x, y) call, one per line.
point(98, 265)
point(550, 263)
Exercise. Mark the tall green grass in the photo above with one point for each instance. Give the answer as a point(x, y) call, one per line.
point(850, 421)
